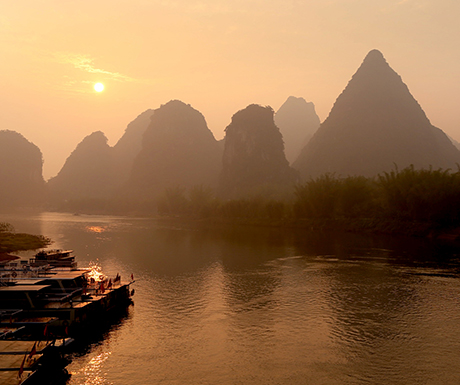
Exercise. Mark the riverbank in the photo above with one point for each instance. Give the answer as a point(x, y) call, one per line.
point(354, 225)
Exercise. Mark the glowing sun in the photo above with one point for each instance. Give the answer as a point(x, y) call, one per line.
point(99, 87)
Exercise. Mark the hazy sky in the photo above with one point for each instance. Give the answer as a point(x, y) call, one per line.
point(217, 55)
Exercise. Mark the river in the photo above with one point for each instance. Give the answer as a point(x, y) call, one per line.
point(265, 306)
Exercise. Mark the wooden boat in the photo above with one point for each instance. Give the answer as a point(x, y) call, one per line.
point(52, 287)
point(70, 299)
point(54, 258)
point(49, 299)
point(42, 262)
point(32, 362)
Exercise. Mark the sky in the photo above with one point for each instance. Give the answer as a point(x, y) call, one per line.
point(216, 55)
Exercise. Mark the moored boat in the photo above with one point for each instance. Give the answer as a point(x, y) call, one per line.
point(73, 298)
point(49, 299)
point(54, 258)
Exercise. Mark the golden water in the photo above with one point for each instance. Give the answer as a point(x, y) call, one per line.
point(263, 306)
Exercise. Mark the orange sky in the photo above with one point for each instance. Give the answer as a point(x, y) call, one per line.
point(217, 55)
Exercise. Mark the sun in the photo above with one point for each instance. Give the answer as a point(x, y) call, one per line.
point(99, 87)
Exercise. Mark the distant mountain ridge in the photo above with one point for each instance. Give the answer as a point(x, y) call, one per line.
point(297, 121)
point(374, 125)
point(94, 170)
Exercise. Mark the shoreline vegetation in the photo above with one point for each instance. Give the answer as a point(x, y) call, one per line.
point(10, 241)
point(360, 225)
point(412, 202)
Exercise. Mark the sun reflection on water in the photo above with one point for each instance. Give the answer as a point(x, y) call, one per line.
point(95, 272)
point(95, 229)
point(92, 371)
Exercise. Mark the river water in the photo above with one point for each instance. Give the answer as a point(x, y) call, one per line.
point(265, 306)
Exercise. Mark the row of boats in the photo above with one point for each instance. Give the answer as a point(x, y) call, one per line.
point(46, 303)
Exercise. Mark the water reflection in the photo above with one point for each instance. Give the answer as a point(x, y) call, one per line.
point(265, 306)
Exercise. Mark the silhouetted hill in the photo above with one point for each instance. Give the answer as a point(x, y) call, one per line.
point(88, 172)
point(254, 160)
point(130, 144)
point(374, 124)
point(21, 177)
point(178, 149)
point(94, 173)
point(297, 121)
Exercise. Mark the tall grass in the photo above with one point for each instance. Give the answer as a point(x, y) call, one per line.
point(318, 198)
point(423, 195)
point(330, 197)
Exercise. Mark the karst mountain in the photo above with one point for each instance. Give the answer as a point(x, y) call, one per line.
point(95, 170)
point(297, 121)
point(178, 150)
point(88, 172)
point(130, 145)
point(21, 179)
point(375, 125)
point(253, 161)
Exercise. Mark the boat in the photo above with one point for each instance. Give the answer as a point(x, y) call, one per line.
point(41, 264)
point(54, 258)
point(33, 362)
point(49, 300)
point(50, 292)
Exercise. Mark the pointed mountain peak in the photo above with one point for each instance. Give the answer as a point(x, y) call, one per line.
point(375, 62)
point(374, 55)
point(295, 100)
point(374, 80)
point(96, 138)
point(375, 67)
point(374, 124)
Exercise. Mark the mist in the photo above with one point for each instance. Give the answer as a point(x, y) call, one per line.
point(217, 56)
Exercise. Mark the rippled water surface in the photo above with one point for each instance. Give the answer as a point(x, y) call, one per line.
point(265, 306)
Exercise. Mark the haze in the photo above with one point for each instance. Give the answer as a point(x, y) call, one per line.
point(219, 56)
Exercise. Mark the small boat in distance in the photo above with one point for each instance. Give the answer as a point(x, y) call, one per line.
point(54, 258)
